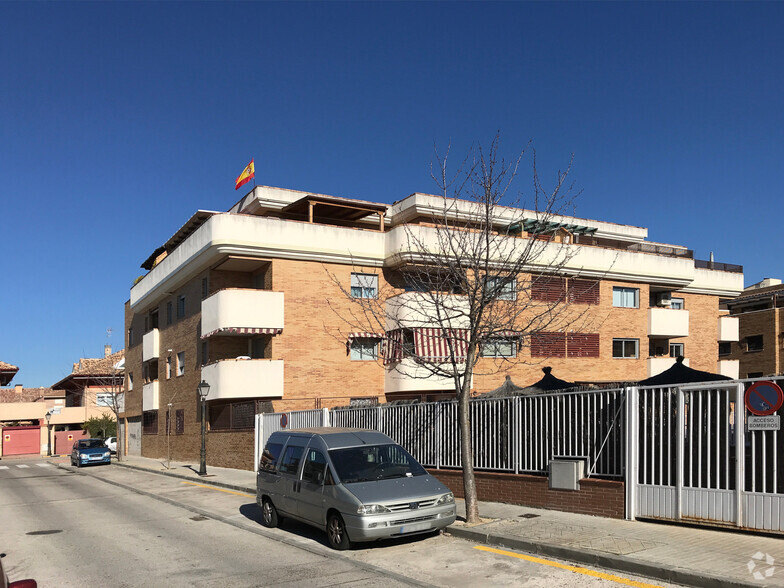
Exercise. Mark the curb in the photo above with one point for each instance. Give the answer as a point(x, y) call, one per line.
point(237, 487)
point(619, 563)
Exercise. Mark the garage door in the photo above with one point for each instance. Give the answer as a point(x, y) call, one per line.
point(21, 440)
point(64, 440)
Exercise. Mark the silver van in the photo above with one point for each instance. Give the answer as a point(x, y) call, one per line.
point(359, 485)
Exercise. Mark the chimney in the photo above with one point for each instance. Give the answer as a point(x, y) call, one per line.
point(107, 350)
point(18, 389)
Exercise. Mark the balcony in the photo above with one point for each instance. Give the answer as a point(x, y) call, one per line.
point(249, 311)
point(150, 396)
point(244, 378)
point(411, 378)
point(667, 322)
point(657, 365)
point(414, 309)
point(728, 328)
point(729, 368)
point(151, 345)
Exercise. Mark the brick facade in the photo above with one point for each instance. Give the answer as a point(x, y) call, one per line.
point(605, 498)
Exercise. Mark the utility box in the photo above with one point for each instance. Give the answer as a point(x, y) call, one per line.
point(565, 474)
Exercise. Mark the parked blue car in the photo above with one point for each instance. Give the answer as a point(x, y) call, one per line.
point(87, 451)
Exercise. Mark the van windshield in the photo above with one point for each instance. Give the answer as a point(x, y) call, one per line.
point(374, 462)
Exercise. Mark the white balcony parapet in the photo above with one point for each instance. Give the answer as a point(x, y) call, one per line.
point(259, 310)
point(668, 322)
point(729, 328)
point(246, 235)
point(150, 396)
point(657, 365)
point(414, 309)
point(151, 345)
point(412, 378)
point(244, 378)
point(729, 368)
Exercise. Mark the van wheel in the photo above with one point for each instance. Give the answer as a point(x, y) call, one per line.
point(336, 533)
point(269, 515)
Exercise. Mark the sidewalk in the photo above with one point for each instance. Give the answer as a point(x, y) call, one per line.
point(672, 553)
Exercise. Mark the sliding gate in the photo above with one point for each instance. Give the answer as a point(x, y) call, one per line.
point(691, 458)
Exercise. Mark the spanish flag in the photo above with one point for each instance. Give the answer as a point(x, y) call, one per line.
point(246, 176)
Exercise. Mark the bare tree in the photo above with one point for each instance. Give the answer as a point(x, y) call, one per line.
point(471, 281)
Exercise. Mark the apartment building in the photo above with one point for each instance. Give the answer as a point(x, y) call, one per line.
point(253, 302)
point(760, 313)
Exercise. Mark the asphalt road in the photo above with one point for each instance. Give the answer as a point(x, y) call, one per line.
point(110, 526)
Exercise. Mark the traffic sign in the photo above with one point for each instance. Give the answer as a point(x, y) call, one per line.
point(764, 398)
point(284, 420)
point(764, 423)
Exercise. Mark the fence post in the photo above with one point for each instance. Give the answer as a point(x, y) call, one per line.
point(632, 451)
point(680, 427)
point(257, 443)
point(740, 451)
point(325, 422)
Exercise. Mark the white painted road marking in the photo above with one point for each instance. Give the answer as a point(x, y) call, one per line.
point(3, 467)
point(44, 465)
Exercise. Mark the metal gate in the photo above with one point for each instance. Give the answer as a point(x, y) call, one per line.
point(21, 440)
point(691, 458)
point(135, 436)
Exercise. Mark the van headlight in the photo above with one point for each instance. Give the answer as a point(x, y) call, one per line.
point(367, 509)
point(446, 499)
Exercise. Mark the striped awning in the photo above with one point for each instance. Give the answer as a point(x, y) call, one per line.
point(429, 344)
point(243, 331)
point(505, 335)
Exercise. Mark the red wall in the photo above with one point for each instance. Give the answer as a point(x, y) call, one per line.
point(605, 498)
point(62, 446)
point(21, 440)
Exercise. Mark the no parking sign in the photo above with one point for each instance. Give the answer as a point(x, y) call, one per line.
point(764, 398)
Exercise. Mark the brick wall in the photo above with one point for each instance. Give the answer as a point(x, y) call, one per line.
point(759, 322)
point(604, 498)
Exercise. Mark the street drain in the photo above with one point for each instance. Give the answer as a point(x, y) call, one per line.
point(529, 515)
point(200, 518)
point(47, 532)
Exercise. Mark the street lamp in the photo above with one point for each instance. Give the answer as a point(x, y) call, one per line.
point(48, 435)
point(203, 390)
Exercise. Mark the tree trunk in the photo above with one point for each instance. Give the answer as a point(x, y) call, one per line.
point(467, 451)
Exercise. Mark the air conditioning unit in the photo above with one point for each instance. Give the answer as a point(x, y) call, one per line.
point(664, 302)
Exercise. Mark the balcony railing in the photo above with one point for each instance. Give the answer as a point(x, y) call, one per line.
point(729, 368)
point(244, 378)
point(668, 322)
point(151, 345)
point(242, 309)
point(409, 377)
point(729, 328)
point(715, 265)
point(150, 396)
point(657, 365)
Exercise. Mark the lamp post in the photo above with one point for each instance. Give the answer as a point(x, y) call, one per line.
point(204, 390)
point(48, 435)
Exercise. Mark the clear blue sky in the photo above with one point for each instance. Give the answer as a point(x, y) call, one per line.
point(119, 120)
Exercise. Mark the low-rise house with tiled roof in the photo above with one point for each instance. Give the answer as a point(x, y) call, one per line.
point(88, 391)
point(7, 373)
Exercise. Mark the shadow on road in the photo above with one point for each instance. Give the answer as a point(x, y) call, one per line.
point(252, 512)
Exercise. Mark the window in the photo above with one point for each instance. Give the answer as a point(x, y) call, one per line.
point(169, 313)
point(205, 288)
point(269, 457)
point(754, 343)
point(501, 288)
point(154, 319)
point(150, 422)
point(313, 469)
point(754, 375)
point(181, 363)
point(290, 462)
point(548, 344)
point(103, 399)
point(179, 421)
point(725, 348)
point(150, 371)
point(233, 415)
point(500, 347)
point(130, 380)
point(583, 291)
point(364, 285)
point(676, 350)
point(364, 349)
point(130, 336)
point(168, 367)
point(626, 348)
point(626, 297)
point(677, 303)
point(180, 306)
point(548, 289)
point(205, 356)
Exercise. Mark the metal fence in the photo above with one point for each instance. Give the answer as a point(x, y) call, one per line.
point(519, 434)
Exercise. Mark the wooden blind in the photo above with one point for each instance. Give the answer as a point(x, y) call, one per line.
point(548, 289)
point(548, 345)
